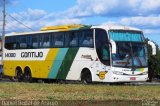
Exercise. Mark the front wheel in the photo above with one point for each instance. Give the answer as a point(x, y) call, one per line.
point(86, 77)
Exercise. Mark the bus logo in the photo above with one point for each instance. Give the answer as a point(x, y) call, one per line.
point(102, 75)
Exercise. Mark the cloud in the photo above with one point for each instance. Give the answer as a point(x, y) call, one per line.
point(148, 6)
point(108, 8)
point(135, 13)
point(152, 31)
point(29, 14)
point(150, 24)
point(35, 19)
point(86, 8)
point(142, 22)
point(65, 21)
point(113, 8)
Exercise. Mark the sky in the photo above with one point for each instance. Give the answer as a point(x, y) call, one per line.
point(35, 14)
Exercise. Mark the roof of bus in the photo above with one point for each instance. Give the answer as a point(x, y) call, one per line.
point(116, 27)
point(75, 27)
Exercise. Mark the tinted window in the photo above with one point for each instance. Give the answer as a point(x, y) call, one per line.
point(83, 38)
point(86, 38)
point(58, 40)
point(44, 41)
point(102, 46)
point(22, 42)
point(10, 43)
point(73, 39)
point(29, 41)
point(67, 39)
point(35, 41)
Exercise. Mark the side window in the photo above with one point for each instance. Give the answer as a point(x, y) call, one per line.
point(105, 52)
point(44, 40)
point(102, 46)
point(67, 40)
point(73, 39)
point(11, 43)
point(35, 41)
point(86, 38)
point(23, 42)
point(29, 41)
point(58, 40)
point(40, 40)
point(8, 42)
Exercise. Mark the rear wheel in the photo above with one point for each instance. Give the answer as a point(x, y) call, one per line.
point(86, 77)
point(27, 75)
point(1, 76)
point(19, 75)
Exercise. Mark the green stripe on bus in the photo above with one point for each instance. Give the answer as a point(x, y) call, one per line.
point(57, 62)
point(67, 62)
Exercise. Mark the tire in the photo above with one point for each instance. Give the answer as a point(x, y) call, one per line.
point(86, 77)
point(1, 76)
point(27, 75)
point(13, 79)
point(19, 75)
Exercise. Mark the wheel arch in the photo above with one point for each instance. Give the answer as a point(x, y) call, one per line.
point(87, 69)
point(28, 77)
point(26, 69)
point(18, 68)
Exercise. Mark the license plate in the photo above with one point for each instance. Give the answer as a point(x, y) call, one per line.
point(133, 78)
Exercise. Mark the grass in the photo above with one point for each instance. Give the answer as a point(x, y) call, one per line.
point(41, 91)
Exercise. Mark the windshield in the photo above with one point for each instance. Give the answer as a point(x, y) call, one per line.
point(130, 55)
point(131, 50)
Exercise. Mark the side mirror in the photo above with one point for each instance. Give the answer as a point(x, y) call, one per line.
point(114, 48)
point(153, 47)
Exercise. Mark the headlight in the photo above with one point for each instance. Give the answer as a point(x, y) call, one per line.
point(117, 72)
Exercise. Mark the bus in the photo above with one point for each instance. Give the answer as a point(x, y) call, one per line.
point(1, 65)
point(102, 53)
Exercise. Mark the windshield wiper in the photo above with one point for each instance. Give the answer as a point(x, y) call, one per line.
point(127, 60)
point(129, 56)
point(137, 57)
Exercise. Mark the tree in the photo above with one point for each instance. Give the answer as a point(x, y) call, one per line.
point(153, 61)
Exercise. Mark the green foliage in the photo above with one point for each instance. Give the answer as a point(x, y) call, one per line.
point(153, 62)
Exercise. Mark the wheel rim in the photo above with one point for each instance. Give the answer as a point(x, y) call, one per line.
point(19, 76)
point(86, 78)
point(28, 76)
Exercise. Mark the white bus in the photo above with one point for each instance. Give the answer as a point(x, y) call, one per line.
point(78, 52)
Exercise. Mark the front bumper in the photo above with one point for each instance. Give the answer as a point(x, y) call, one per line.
point(124, 78)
